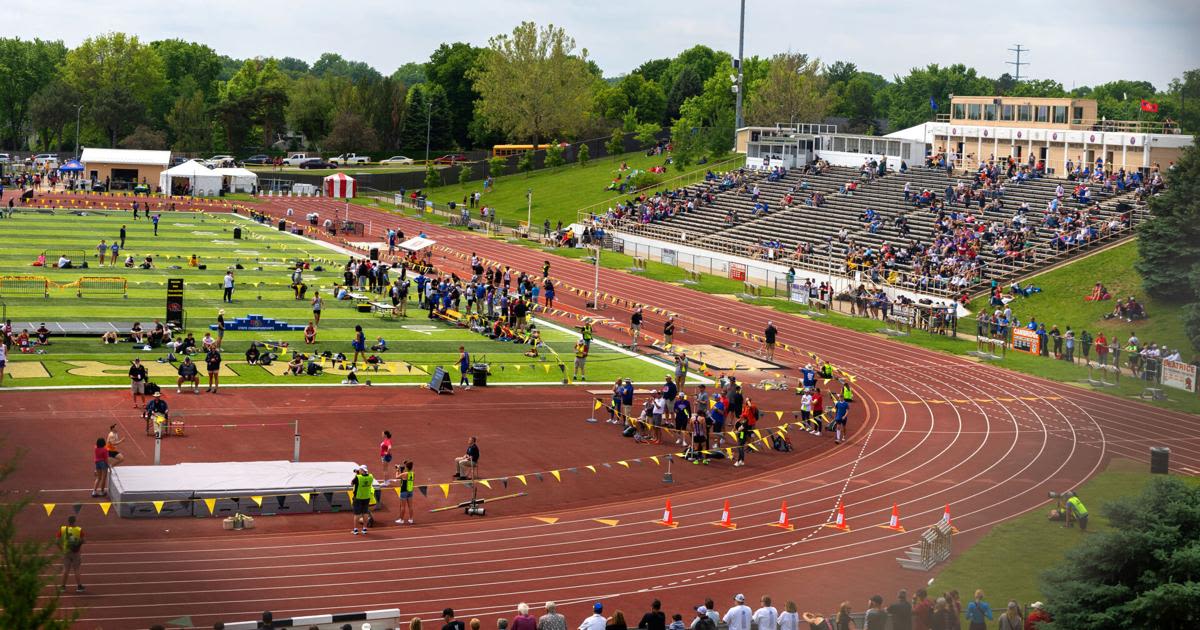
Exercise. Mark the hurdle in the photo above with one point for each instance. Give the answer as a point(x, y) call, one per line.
point(102, 285)
point(24, 285)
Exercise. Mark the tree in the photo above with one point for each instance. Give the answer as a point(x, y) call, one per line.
point(51, 109)
point(188, 66)
point(792, 90)
point(840, 72)
point(702, 60)
point(858, 103)
point(27, 566)
point(190, 124)
point(532, 84)
point(333, 65)
point(647, 134)
point(144, 137)
point(426, 104)
point(432, 178)
point(688, 83)
point(654, 69)
point(293, 67)
point(310, 107)
point(261, 88)
point(25, 67)
point(464, 173)
point(1121, 100)
point(584, 154)
point(1186, 92)
point(1142, 572)
point(908, 98)
point(448, 67)
point(410, 73)
point(1169, 242)
point(120, 77)
point(647, 97)
point(351, 133)
point(525, 163)
point(554, 155)
point(616, 143)
point(1038, 88)
point(711, 113)
point(497, 165)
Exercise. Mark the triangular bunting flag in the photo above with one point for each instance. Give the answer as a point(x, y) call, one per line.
point(485, 483)
point(624, 463)
point(75, 507)
point(211, 504)
point(779, 415)
point(280, 500)
point(591, 467)
point(445, 489)
point(654, 458)
point(257, 501)
point(521, 478)
point(597, 405)
point(424, 490)
point(158, 505)
point(398, 491)
point(556, 475)
point(49, 507)
point(104, 507)
point(307, 496)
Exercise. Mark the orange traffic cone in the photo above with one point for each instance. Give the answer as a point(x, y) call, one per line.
point(946, 519)
point(784, 523)
point(667, 519)
point(894, 522)
point(726, 518)
point(840, 523)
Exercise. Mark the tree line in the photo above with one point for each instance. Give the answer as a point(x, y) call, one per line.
point(532, 85)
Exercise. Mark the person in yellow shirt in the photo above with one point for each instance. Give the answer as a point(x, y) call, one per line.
point(363, 489)
point(70, 542)
point(581, 352)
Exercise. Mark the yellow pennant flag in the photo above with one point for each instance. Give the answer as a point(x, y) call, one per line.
point(556, 475)
point(624, 463)
point(104, 507)
point(729, 453)
point(547, 367)
point(485, 484)
point(521, 478)
point(591, 467)
point(779, 415)
point(597, 405)
point(517, 367)
point(49, 507)
point(305, 496)
point(257, 501)
point(350, 495)
point(758, 433)
point(398, 491)
point(752, 447)
point(445, 489)
point(654, 458)
point(158, 505)
point(211, 504)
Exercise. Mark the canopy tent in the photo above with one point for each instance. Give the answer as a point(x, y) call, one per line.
point(237, 179)
point(72, 166)
point(340, 186)
point(192, 178)
point(416, 244)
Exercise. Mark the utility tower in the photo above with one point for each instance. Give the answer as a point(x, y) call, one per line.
point(1018, 63)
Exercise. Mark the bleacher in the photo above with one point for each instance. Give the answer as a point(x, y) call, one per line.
point(707, 227)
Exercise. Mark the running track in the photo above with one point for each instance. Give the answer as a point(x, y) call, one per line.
point(931, 429)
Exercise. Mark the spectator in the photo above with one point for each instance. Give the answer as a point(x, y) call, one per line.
point(268, 618)
point(702, 620)
point(922, 610)
point(790, 619)
point(901, 612)
point(1012, 619)
point(766, 617)
point(596, 621)
point(616, 622)
point(523, 620)
point(738, 617)
point(978, 612)
point(450, 623)
point(1037, 616)
point(943, 618)
point(552, 620)
point(676, 622)
point(876, 618)
point(655, 619)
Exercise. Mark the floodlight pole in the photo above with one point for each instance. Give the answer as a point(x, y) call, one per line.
point(738, 122)
point(596, 282)
point(428, 120)
point(78, 113)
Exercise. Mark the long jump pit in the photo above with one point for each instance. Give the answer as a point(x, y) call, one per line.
point(722, 359)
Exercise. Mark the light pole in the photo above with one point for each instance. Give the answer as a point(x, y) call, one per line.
point(596, 282)
point(737, 86)
point(829, 260)
point(78, 113)
point(428, 118)
point(528, 212)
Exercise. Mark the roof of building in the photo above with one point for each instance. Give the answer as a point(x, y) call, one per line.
point(125, 156)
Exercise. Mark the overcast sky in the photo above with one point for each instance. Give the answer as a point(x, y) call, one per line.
point(1073, 43)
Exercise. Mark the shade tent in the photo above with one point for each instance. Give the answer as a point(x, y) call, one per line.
point(416, 244)
point(191, 177)
point(72, 166)
point(340, 186)
point(237, 179)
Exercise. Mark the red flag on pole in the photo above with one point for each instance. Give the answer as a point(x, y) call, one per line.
point(1147, 106)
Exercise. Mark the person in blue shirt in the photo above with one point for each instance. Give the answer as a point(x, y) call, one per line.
point(464, 366)
point(841, 409)
point(808, 376)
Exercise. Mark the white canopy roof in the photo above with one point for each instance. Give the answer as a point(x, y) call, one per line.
point(238, 172)
point(417, 243)
point(203, 180)
point(125, 156)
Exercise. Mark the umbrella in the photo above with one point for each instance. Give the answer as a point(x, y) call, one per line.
point(72, 166)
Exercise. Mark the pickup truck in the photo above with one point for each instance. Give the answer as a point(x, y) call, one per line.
point(296, 159)
point(350, 158)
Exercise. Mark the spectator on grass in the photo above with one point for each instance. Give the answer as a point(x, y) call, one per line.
point(1037, 616)
point(655, 619)
point(1012, 619)
point(978, 612)
point(252, 353)
point(617, 622)
point(523, 620)
point(922, 610)
point(552, 620)
point(450, 623)
point(738, 617)
point(596, 621)
point(767, 616)
point(943, 618)
point(876, 618)
point(901, 612)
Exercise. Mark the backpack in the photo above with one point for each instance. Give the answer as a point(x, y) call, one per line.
point(72, 540)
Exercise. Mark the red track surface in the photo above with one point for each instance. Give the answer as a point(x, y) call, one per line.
point(929, 429)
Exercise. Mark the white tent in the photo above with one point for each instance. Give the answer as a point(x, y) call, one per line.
point(237, 179)
point(201, 180)
point(416, 244)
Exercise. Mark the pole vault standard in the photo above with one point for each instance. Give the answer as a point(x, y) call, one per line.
point(295, 424)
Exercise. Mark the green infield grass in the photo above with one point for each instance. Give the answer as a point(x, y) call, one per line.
point(416, 344)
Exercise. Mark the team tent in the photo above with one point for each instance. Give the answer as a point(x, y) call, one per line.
point(237, 179)
point(340, 186)
point(416, 244)
point(192, 178)
point(72, 166)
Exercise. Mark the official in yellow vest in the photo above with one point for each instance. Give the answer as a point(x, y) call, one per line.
point(70, 542)
point(1077, 511)
point(363, 489)
point(581, 352)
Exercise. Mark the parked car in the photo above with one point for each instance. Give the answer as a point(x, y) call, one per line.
point(219, 161)
point(397, 159)
point(296, 159)
point(177, 160)
point(350, 158)
point(258, 159)
point(42, 159)
point(316, 163)
point(451, 158)
point(5, 158)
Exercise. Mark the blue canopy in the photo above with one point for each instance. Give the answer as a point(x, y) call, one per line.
point(72, 166)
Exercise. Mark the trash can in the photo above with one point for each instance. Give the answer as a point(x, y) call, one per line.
point(237, 233)
point(479, 374)
point(1160, 460)
point(282, 225)
point(374, 253)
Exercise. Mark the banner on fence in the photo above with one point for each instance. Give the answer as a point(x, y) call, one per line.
point(670, 257)
point(175, 301)
point(798, 293)
point(737, 271)
point(618, 245)
point(1025, 340)
point(1179, 375)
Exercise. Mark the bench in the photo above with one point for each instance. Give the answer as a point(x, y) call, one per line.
point(383, 309)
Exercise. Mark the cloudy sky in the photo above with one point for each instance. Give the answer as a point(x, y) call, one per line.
point(1073, 43)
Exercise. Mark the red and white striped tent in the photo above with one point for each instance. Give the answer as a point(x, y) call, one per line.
point(340, 186)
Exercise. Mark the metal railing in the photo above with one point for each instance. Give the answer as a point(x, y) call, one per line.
point(1078, 124)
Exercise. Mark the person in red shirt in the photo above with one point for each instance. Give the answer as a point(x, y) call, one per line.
point(100, 456)
point(818, 405)
point(1037, 616)
point(922, 611)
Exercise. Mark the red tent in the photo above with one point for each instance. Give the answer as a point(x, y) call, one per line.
point(339, 185)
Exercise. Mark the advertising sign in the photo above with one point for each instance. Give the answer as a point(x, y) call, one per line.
point(1025, 340)
point(1179, 375)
